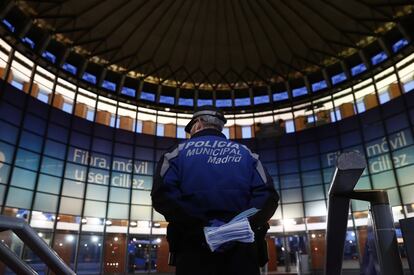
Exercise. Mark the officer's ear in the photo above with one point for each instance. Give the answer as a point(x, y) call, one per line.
point(197, 126)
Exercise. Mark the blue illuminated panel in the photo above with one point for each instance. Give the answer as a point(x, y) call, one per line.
point(223, 102)
point(29, 42)
point(167, 100)
point(204, 102)
point(399, 45)
point(358, 69)
point(378, 58)
point(319, 85)
point(69, 68)
point(242, 101)
point(89, 77)
point(186, 102)
point(261, 99)
point(147, 96)
point(8, 25)
point(128, 91)
point(109, 85)
point(280, 96)
point(49, 56)
point(338, 78)
point(299, 91)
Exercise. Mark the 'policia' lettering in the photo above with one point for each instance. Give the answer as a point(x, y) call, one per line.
point(218, 151)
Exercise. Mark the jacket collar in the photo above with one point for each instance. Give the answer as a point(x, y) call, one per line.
point(208, 132)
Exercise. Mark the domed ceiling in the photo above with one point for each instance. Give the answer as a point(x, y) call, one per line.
point(219, 44)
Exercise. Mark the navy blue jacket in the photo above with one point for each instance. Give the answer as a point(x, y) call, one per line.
point(209, 177)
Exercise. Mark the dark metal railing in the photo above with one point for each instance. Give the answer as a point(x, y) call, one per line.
point(349, 169)
point(36, 244)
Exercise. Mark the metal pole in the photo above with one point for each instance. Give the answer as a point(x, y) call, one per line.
point(386, 239)
point(14, 262)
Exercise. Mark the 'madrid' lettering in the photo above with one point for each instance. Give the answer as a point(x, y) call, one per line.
point(226, 159)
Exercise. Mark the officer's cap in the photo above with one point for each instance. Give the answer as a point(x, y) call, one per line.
point(205, 110)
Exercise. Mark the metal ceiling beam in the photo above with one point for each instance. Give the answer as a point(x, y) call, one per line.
point(128, 37)
point(116, 27)
point(105, 16)
point(69, 30)
point(55, 16)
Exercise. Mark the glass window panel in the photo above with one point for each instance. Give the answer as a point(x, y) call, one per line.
point(407, 193)
point(141, 197)
point(97, 192)
point(70, 206)
point(45, 202)
point(23, 178)
point(312, 177)
point(55, 149)
point(313, 193)
point(6, 153)
point(90, 254)
point(394, 197)
point(19, 198)
point(51, 166)
point(291, 211)
point(288, 181)
point(45, 80)
point(380, 163)
point(142, 182)
point(383, 180)
point(118, 211)
point(309, 163)
point(405, 175)
point(328, 174)
point(21, 72)
point(2, 190)
point(76, 172)
point(359, 205)
point(31, 141)
point(49, 184)
point(119, 195)
point(140, 213)
point(291, 195)
point(27, 159)
point(4, 172)
point(95, 209)
point(315, 208)
point(73, 188)
point(288, 166)
point(8, 132)
point(363, 183)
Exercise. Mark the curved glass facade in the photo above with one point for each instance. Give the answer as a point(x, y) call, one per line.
point(78, 166)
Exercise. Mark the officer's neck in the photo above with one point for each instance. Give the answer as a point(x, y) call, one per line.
point(208, 132)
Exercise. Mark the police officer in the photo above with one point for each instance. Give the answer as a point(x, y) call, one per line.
point(206, 181)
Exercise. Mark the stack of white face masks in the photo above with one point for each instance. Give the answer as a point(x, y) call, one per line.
point(238, 229)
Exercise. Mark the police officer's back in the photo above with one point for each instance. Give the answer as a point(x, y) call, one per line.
point(206, 181)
